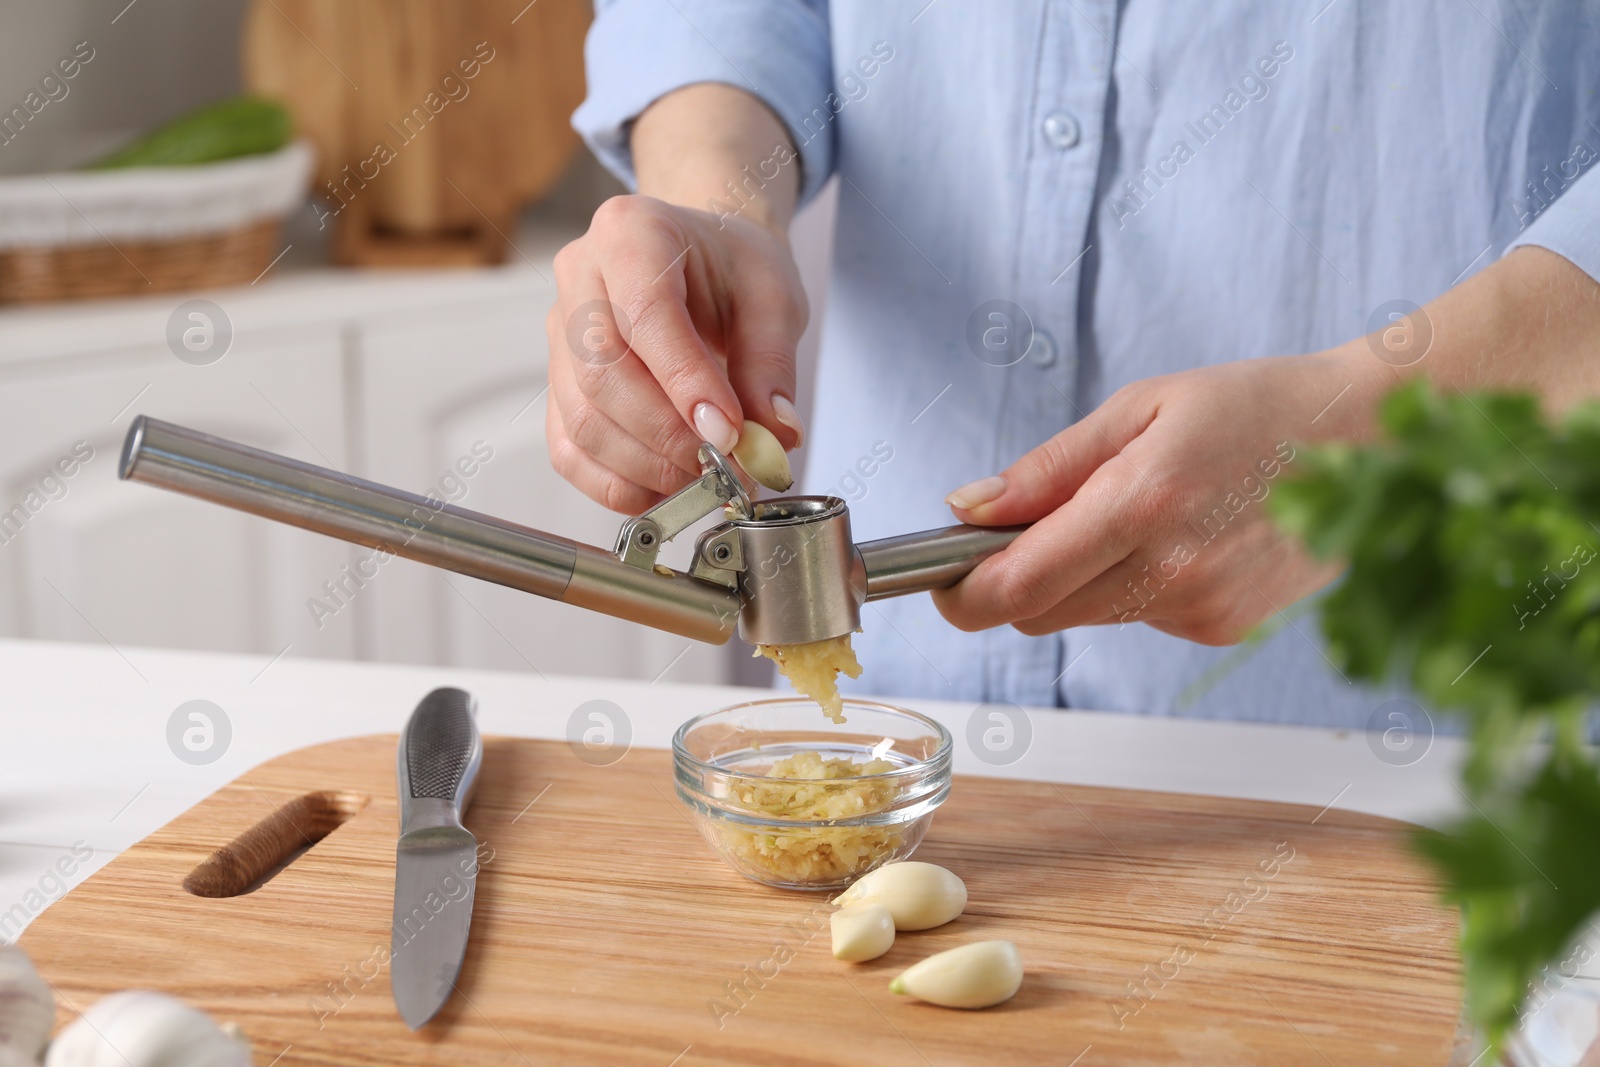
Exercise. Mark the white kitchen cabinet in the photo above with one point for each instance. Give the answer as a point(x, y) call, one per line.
point(390, 376)
point(105, 560)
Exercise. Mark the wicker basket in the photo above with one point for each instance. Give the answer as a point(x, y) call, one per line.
point(89, 272)
point(84, 236)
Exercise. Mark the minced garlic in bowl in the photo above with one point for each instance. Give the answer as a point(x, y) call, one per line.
point(807, 787)
point(793, 802)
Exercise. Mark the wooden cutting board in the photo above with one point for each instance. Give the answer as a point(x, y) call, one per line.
point(1155, 929)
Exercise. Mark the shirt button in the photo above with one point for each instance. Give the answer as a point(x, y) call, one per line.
point(1043, 351)
point(1061, 129)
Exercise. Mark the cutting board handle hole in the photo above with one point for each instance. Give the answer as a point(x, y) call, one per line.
point(258, 855)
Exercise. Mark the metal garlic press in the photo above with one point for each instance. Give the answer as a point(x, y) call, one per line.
point(782, 571)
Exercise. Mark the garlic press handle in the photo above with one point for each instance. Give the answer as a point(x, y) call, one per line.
point(932, 559)
point(425, 529)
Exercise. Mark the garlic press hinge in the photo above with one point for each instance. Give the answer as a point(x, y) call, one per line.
point(640, 538)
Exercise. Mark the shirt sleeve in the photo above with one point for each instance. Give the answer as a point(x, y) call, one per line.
point(1570, 226)
point(639, 50)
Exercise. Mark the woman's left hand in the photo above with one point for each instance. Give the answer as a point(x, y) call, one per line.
point(1151, 508)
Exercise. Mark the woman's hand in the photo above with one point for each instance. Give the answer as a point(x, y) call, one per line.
point(1151, 508)
point(671, 327)
point(674, 325)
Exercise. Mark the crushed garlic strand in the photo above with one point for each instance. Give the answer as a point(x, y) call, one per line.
point(813, 670)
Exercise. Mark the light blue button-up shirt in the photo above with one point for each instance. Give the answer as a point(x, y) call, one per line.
point(1157, 186)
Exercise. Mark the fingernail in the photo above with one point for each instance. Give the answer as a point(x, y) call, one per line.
point(783, 408)
point(712, 425)
point(978, 493)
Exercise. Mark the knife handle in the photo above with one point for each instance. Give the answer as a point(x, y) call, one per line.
point(440, 754)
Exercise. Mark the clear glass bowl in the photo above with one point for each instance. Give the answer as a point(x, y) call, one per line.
point(810, 833)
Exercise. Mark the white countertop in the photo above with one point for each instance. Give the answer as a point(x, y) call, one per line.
point(86, 758)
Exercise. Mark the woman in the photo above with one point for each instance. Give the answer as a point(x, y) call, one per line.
point(1101, 266)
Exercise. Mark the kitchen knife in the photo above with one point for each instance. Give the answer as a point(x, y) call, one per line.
point(436, 861)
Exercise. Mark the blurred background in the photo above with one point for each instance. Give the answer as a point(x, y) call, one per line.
point(372, 298)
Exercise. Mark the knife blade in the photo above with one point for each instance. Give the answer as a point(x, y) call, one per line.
point(436, 858)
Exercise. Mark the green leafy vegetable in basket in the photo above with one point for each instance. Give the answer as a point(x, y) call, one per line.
point(242, 126)
point(1475, 577)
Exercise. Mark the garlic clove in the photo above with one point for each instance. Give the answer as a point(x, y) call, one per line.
point(979, 975)
point(862, 932)
point(762, 457)
point(138, 1028)
point(27, 1010)
point(920, 896)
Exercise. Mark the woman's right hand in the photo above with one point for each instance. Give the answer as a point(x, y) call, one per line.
point(671, 326)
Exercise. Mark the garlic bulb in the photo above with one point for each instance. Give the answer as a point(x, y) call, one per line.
point(762, 457)
point(980, 975)
point(27, 1010)
point(920, 896)
point(143, 1029)
point(862, 932)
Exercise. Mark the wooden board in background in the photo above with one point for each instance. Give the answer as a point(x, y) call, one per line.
point(469, 101)
point(606, 931)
